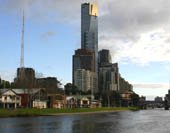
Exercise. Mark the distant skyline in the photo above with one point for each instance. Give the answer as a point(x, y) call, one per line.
point(138, 37)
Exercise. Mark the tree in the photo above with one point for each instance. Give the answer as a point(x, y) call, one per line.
point(5, 84)
point(135, 99)
point(71, 89)
point(1, 86)
point(111, 98)
point(13, 85)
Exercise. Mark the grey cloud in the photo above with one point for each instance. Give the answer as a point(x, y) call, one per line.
point(163, 86)
point(133, 17)
point(168, 40)
point(125, 17)
point(120, 21)
point(51, 10)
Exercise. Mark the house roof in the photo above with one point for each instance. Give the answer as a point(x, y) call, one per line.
point(78, 97)
point(3, 91)
point(25, 91)
point(21, 91)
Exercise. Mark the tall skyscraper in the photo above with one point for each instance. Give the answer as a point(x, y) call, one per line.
point(85, 60)
point(89, 28)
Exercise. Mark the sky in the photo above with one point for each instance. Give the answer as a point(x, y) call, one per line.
point(137, 33)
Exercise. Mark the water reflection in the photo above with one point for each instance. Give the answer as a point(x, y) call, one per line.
point(148, 121)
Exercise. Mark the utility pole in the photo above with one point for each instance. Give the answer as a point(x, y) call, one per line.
point(22, 44)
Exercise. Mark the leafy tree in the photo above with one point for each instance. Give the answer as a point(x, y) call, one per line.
point(135, 99)
point(13, 85)
point(70, 89)
point(1, 86)
point(111, 98)
point(115, 98)
point(5, 84)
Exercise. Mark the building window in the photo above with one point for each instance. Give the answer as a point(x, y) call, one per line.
point(18, 98)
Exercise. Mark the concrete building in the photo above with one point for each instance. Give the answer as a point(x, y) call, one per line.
point(84, 80)
point(104, 57)
point(25, 78)
point(50, 83)
point(108, 78)
point(124, 85)
point(84, 73)
point(84, 59)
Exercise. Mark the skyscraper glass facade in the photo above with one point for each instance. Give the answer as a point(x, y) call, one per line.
point(89, 28)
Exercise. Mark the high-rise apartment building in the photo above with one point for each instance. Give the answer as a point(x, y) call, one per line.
point(84, 74)
point(104, 57)
point(84, 59)
point(109, 77)
point(84, 80)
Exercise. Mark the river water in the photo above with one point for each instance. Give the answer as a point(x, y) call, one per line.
point(144, 121)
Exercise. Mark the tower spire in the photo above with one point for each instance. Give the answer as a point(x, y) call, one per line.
point(22, 44)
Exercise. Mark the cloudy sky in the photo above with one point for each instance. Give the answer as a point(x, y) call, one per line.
point(137, 32)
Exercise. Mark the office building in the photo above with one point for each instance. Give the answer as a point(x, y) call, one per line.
point(89, 27)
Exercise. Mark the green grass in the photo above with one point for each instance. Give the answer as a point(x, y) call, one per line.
point(43, 112)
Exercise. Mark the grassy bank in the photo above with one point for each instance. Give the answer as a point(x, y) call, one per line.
point(43, 112)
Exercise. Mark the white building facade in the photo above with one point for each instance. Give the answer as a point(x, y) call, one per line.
point(9, 99)
point(84, 80)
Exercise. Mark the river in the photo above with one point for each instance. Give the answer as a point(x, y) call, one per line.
point(144, 121)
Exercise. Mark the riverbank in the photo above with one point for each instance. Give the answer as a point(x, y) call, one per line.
point(47, 112)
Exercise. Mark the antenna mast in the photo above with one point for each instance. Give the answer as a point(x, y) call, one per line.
point(22, 44)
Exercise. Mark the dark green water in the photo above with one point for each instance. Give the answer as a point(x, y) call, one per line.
point(147, 121)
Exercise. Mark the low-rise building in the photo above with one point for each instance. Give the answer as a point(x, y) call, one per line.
point(95, 104)
point(126, 99)
point(9, 99)
point(39, 104)
point(56, 101)
point(84, 102)
point(78, 101)
point(71, 102)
